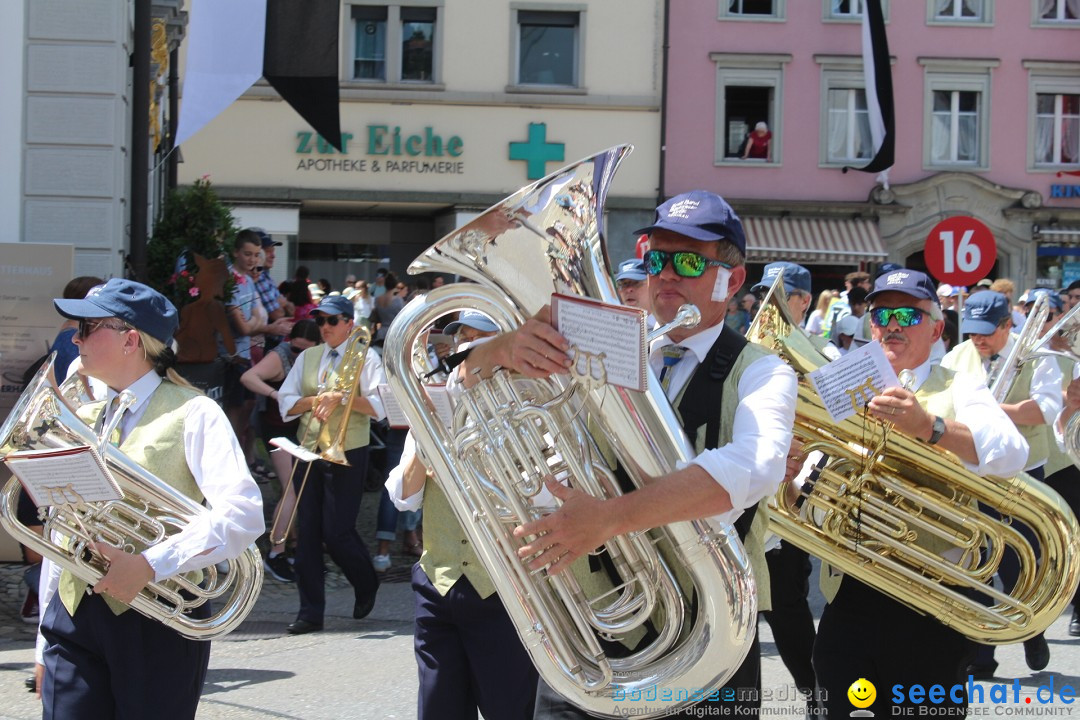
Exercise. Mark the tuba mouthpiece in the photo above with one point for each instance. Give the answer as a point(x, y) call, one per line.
point(688, 316)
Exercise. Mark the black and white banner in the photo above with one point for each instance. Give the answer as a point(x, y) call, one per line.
point(879, 92)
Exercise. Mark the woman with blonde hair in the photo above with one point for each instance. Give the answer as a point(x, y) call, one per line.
point(817, 318)
point(87, 640)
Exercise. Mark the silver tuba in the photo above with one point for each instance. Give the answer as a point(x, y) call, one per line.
point(149, 511)
point(508, 433)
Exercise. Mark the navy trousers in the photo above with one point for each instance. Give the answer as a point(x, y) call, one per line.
point(327, 516)
point(791, 621)
point(866, 634)
point(468, 656)
point(99, 665)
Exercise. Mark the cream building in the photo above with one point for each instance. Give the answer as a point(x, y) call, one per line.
point(447, 106)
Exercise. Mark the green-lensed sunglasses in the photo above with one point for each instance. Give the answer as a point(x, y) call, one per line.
point(905, 316)
point(686, 264)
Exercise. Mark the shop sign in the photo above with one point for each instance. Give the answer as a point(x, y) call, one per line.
point(1065, 191)
point(384, 149)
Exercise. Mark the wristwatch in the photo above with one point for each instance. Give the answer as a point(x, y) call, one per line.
point(938, 431)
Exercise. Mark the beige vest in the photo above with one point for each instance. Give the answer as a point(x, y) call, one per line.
point(448, 554)
point(358, 432)
point(965, 358)
point(935, 395)
point(156, 443)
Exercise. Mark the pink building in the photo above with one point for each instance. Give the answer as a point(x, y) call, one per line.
point(987, 96)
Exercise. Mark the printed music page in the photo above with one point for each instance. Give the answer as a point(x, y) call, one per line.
point(846, 385)
point(394, 414)
point(441, 400)
point(68, 476)
point(609, 339)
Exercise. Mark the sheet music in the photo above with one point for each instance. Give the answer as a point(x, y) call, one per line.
point(61, 477)
point(613, 335)
point(846, 385)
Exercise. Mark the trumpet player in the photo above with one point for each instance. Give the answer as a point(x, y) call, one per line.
point(1032, 403)
point(98, 658)
point(736, 400)
point(862, 632)
point(329, 501)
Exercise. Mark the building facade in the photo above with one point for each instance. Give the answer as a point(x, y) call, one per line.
point(65, 134)
point(447, 106)
point(987, 97)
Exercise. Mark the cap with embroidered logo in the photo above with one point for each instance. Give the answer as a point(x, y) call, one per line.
point(910, 282)
point(633, 269)
point(700, 215)
point(474, 319)
point(336, 305)
point(983, 312)
point(140, 306)
point(796, 277)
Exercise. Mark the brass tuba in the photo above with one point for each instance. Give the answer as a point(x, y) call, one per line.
point(882, 490)
point(509, 433)
point(149, 511)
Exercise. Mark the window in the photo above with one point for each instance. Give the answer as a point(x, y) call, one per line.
point(968, 12)
point(547, 48)
point(1057, 129)
point(955, 127)
point(957, 113)
point(394, 44)
point(846, 8)
point(1057, 11)
point(748, 90)
point(752, 9)
point(1054, 115)
point(849, 127)
point(850, 10)
point(417, 43)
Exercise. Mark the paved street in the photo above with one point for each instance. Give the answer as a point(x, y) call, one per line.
point(365, 669)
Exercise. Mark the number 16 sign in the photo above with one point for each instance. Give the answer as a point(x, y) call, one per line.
point(960, 251)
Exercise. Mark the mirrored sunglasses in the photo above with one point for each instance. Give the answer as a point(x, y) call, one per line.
point(905, 316)
point(686, 264)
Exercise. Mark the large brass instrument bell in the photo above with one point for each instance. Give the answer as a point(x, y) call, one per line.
point(149, 511)
point(898, 514)
point(508, 433)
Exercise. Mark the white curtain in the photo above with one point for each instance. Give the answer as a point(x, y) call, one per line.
point(1046, 8)
point(968, 140)
point(837, 135)
point(1044, 139)
point(939, 138)
point(1072, 9)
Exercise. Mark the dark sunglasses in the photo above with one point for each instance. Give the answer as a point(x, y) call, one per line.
point(905, 316)
point(333, 320)
point(686, 264)
point(87, 327)
point(296, 350)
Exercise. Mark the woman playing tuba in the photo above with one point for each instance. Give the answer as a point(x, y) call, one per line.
point(184, 438)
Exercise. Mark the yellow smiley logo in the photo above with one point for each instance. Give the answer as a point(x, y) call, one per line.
point(862, 693)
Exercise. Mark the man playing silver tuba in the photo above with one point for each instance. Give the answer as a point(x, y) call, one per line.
point(736, 401)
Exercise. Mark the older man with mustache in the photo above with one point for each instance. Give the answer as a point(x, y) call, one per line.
point(864, 633)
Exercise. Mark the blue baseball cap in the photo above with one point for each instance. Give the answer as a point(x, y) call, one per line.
point(335, 305)
point(796, 277)
point(910, 282)
point(984, 311)
point(700, 215)
point(887, 268)
point(474, 319)
point(633, 269)
point(140, 306)
point(1052, 295)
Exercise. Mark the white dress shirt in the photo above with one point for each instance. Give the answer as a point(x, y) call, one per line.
point(234, 517)
point(371, 376)
point(1000, 447)
point(752, 465)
